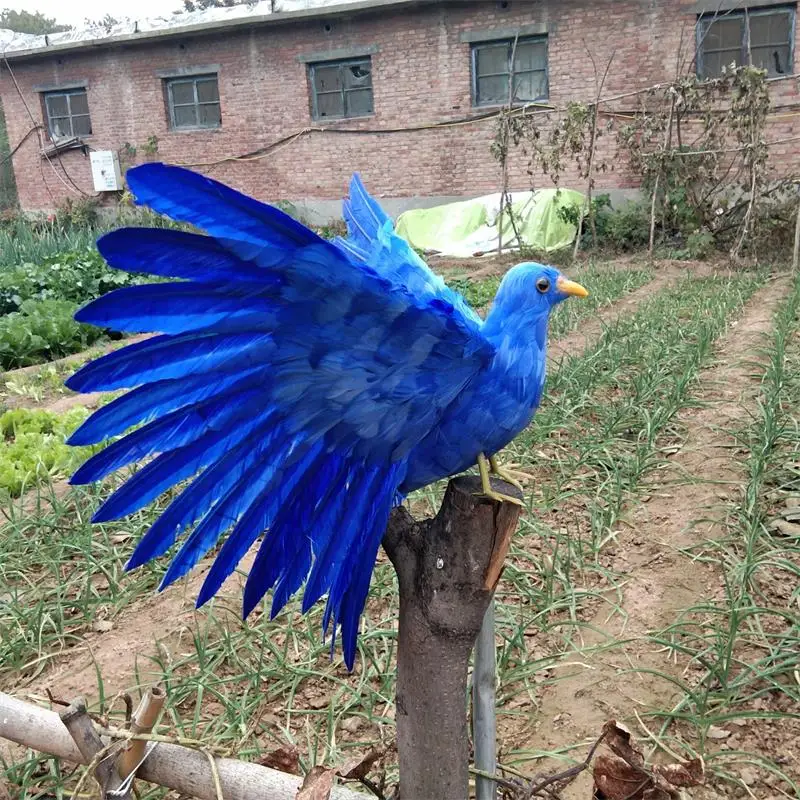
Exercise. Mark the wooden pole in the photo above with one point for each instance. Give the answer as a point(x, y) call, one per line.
point(143, 721)
point(484, 714)
point(447, 568)
point(183, 769)
point(79, 725)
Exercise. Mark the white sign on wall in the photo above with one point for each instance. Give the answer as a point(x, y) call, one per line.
point(105, 171)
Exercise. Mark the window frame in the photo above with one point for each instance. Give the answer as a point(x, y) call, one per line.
point(193, 79)
point(67, 94)
point(477, 46)
point(344, 91)
point(705, 21)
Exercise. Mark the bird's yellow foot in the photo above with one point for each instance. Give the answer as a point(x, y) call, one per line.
point(486, 485)
point(507, 474)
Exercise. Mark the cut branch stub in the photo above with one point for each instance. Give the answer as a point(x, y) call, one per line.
point(447, 569)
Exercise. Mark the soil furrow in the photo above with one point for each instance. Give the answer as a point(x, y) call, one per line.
point(700, 477)
point(591, 329)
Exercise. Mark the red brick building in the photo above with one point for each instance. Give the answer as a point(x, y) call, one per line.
point(236, 98)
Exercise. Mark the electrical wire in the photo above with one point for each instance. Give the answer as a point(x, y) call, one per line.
point(21, 142)
point(74, 186)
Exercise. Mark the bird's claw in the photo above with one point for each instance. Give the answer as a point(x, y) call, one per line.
point(499, 497)
point(486, 486)
point(508, 475)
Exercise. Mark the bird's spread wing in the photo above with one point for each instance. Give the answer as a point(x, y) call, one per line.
point(371, 240)
point(290, 379)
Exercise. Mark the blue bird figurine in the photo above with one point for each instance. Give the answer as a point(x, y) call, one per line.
point(302, 386)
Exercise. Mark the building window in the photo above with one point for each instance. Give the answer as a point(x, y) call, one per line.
point(67, 113)
point(194, 102)
point(492, 69)
point(341, 89)
point(762, 37)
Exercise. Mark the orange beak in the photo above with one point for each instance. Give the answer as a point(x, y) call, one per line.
point(570, 287)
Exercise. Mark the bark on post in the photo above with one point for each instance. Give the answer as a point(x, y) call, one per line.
point(447, 569)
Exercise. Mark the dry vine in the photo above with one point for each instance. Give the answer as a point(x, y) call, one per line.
point(697, 148)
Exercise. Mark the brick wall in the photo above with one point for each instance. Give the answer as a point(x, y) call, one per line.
point(421, 73)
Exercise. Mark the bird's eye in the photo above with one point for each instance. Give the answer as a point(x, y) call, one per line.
point(543, 284)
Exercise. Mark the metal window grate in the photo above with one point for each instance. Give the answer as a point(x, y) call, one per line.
point(493, 71)
point(341, 89)
point(761, 37)
point(194, 102)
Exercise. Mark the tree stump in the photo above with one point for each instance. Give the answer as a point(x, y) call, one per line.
point(447, 569)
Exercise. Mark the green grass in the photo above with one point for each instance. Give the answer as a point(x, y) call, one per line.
point(59, 575)
point(21, 241)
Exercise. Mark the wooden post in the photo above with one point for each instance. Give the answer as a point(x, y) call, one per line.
point(447, 568)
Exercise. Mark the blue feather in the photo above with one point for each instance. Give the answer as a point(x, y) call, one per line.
point(151, 400)
point(176, 254)
point(180, 307)
point(165, 357)
point(328, 562)
point(257, 517)
point(171, 468)
point(232, 506)
point(173, 430)
point(296, 527)
point(241, 224)
point(304, 526)
point(235, 468)
point(351, 605)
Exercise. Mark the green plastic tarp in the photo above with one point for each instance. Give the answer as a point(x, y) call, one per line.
point(470, 227)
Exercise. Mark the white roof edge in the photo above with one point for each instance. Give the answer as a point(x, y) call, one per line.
point(198, 23)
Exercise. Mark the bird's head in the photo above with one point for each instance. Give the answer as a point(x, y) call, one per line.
point(531, 289)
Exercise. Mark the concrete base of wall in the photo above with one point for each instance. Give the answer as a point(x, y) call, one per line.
point(323, 212)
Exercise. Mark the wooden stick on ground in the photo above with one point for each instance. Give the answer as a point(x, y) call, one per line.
point(143, 721)
point(183, 769)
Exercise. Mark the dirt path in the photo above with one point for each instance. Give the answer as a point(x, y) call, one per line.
point(590, 330)
point(661, 582)
point(170, 615)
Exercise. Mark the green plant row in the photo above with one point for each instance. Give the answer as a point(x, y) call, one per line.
point(34, 448)
point(744, 646)
point(78, 276)
point(599, 432)
point(43, 330)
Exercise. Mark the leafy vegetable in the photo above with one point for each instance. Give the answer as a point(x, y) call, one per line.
point(78, 276)
point(41, 331)
point(33, 446)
